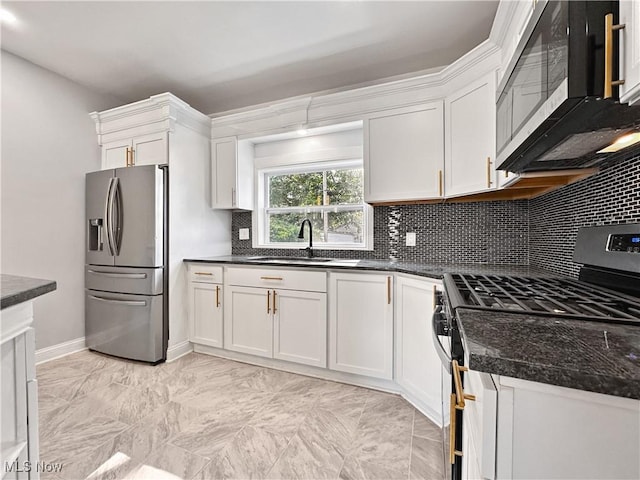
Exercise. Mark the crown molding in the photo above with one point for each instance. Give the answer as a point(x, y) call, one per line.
point(157, 113)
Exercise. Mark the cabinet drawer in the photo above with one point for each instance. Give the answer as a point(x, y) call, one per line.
point(202, 273)
point(298, 279)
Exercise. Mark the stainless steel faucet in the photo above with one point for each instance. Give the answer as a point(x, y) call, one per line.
point(309, 249)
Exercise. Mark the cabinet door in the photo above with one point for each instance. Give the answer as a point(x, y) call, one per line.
point(404, 154)
point(361, 324)
point(15, 404)
point(470, 131)
point(223, 172)
point(418, 364)
point(206, 314)
point(248, 322)
point(630, 51)
point(300, 327)
point(151, 149)
point(114, 154)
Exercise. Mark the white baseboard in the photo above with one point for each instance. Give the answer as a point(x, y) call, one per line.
point(179, 350)
point(60, 350)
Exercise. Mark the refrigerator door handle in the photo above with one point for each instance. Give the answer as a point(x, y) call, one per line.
point(133, 276)
point(133, 303)
point(107, 218)
point(115, 216)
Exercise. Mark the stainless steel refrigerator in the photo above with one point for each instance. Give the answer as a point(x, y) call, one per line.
point(126, 278)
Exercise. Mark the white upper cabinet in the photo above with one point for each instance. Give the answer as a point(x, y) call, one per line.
point(152, 149)
point(404, 154)
point(231, 174)
point(140, 133)
point(630, 51)
point(470, 132)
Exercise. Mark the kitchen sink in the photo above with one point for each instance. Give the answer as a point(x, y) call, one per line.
point(301, 260)
point(290, 259)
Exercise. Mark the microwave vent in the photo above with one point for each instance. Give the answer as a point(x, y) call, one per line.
point(580, 144)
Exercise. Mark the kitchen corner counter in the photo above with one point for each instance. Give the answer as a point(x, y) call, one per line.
point(429, 270)
point(15, 289)
point(584, 355)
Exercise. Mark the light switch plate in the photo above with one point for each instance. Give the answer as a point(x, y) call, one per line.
point(243, 234)
point(411, 239)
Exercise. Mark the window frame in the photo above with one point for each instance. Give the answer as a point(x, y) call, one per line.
point(260, 227)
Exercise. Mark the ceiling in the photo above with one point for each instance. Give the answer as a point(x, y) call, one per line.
point(219, 56)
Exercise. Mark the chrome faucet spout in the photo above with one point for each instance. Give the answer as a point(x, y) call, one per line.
point(309, 249)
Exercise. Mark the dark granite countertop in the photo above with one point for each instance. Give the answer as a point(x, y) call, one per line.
point(16, 289)
point(430, 270)
point(558, 351)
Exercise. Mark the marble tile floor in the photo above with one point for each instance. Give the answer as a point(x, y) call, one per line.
point(203, 417)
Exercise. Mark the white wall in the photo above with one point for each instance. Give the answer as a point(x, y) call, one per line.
point(48, 144)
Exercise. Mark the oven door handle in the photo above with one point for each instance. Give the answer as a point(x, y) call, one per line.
point(445, 357)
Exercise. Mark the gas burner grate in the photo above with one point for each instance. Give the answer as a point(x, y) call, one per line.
point(548, 296)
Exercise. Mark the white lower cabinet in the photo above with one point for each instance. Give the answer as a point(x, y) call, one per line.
point(361, 324)
point(300, 327)
point(280, 323)
point(518, 429)
point(479, 427)
point(19, 395)
point(248, 323)
point(206, 308)
point(418, 367)
point(205, 305)
point(546, 431)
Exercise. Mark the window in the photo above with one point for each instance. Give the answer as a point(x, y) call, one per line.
point(331, 195)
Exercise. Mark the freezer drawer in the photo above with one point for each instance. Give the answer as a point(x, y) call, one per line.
point(141, 281)
point(123, 325)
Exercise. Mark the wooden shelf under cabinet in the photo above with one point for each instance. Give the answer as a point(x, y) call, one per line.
point(526, 186)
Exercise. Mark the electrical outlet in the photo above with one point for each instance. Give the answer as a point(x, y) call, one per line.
point(411, 239)
point(243, 234)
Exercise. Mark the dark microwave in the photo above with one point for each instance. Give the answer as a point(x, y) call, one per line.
point(553, 110)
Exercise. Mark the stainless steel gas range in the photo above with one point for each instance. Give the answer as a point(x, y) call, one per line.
point(608, 290)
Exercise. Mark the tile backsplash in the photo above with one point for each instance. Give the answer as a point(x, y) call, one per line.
point(482, 232)
point(540, 232)
point(612, 196)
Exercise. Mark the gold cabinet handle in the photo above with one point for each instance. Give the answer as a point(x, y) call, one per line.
point(204, 273)
point(609, 28)
point(127, 157)
point(457, 381)
point(133, 159)
point(274, 302)
point(453, 408)
point(388, 290)
point(268, 301)
point(489, 182)
point(271, 278)
point(217, 296)
point(439, 183)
